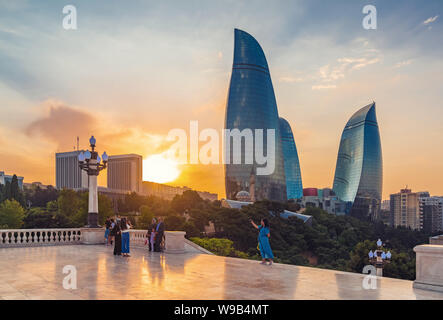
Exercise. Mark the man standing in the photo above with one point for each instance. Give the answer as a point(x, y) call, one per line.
point(159, 232)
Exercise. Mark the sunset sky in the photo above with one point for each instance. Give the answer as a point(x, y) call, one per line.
point(133, 70)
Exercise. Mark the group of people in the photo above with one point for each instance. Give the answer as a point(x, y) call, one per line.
point(155, 235)
point(117, 233)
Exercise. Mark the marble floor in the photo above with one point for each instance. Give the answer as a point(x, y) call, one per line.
point(37, 273)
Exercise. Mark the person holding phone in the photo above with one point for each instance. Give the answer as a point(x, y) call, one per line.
point(263, 241)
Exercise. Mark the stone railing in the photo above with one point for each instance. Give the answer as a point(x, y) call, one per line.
point(174, 240)
point(429, 266)
point(39, 237)
point(438, 240)
point(137, 238)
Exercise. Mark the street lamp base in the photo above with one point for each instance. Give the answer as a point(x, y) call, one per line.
point(93, 220)
point(92, 235)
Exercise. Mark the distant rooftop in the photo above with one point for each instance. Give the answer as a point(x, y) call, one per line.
point(36, 273)
point(285, 214)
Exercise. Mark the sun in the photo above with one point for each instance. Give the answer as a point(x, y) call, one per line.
point(157, 168)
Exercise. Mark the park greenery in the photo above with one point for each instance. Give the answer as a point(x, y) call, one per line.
point(332, 242)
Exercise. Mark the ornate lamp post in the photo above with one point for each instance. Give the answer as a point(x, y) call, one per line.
point(379, 258)
point(90, 162)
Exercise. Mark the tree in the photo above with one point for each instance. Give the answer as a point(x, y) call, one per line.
point(105, 209)
point(16, 193)
point(220, 247)
point(145, 219)
point(39, 197)
point(191, 230)
point(199, 218)
point(359, 256)
point(7, 191)
point(174, 223)
point(11, 214)
point(188, 200)
point(68, 203)
point(38, 218)
point(2, 192)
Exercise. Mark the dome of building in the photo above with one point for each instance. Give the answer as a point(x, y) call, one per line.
point(243, 196)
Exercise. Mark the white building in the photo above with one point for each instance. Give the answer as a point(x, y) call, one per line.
point(125, 172)
point(8, 178)
point(67, 172)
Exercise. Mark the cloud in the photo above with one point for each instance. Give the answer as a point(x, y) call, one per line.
point(289, 79)
point(321, 87)
point(430, 20)
point(328, 75)
point(403, 63)
point(62, 124)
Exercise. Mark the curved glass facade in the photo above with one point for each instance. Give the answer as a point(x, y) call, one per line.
point(251, 105)
point(294, 186)
point(359, 171)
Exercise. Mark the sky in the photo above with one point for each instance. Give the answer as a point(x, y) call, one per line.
point(132, 71)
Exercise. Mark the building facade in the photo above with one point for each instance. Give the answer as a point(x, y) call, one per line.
point(125, 172)
point(359, 170)
point(386, 205)
point(251, 105)
point(167, 192)
point(4, 178)
point(325, 199)
point(407, 209)
point(294, 185)
point(432, 215)
point(68, 174)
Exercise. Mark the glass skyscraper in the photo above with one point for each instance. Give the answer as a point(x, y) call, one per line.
point(359, 171)
point(294, 186)
point(251, 104)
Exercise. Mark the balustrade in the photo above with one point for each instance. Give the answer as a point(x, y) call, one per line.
point(38, 237)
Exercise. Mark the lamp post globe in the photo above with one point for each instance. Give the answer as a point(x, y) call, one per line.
point(92, 141)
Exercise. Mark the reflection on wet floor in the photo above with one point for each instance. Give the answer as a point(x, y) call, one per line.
point(36, 273)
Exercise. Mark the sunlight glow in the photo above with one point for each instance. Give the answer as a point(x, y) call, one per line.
point(157, 168)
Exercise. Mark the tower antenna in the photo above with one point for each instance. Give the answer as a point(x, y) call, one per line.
point(77, 143)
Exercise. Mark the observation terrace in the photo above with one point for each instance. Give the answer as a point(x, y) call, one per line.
point(34, 270)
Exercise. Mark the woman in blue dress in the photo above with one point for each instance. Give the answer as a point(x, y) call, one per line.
point(263, 241)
